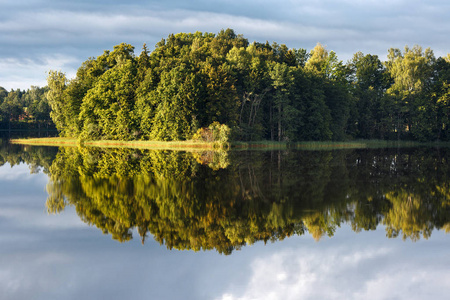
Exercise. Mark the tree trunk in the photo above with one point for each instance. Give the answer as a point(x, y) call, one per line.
point(279, 122)
point(271, 123)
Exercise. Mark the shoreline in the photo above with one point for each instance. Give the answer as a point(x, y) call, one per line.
point(196, 145)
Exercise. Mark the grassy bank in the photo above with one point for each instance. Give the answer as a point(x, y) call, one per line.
point(72, 142)
point(197, 145)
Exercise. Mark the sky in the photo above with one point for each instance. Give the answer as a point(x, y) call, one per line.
point(41, 35)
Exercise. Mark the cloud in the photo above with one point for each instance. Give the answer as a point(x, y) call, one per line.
point(21, 73)
point(81, 29)
point(30, 274)
point(22, 206)
point(342, 273)
point(21, 172)
point(38, 219)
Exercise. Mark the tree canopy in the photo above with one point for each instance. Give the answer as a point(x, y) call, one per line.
point(19, 105)
point(260, 90)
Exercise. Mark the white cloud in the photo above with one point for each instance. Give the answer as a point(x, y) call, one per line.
point(38, 218)
point(25, 72)
point(89, 34)
point(20, 171)
point(342, 273)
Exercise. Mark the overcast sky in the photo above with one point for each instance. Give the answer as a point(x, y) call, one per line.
point(39, 35)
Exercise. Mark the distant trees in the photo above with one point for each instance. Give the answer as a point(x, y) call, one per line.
point(260, 90)
point(30, 105)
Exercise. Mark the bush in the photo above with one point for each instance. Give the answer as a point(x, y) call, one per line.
point(216, 133)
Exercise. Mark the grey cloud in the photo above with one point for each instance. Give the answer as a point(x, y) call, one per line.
point(40, 29)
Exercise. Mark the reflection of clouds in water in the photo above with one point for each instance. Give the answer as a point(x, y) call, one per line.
point(22, 204)
point(38, 218)
point(407, 284)
point(25, 275)
point(21, 171)
point(342, 274)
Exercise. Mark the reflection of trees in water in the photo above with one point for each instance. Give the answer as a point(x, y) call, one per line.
point(258, 196)
point(36, 157)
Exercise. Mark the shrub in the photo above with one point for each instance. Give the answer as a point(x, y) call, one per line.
point(216, 133)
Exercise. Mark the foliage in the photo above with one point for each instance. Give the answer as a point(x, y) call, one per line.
point(24, 106)
point(216, 133)
point(261, 91)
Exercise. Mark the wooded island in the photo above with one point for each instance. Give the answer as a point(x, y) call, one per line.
point(203, 85)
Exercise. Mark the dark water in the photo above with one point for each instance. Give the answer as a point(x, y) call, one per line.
point(336, 224)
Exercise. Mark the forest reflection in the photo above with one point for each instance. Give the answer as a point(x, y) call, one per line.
point(226, 200)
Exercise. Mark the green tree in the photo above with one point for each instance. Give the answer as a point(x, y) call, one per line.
point(220, 99)
point(411, 72)
point(38, 107)
point(176, 95)
point(3, 94)
point(310, 102)
point(439, 96)
point(318, 60)
point(335, 87)
point(106, 108)
point(260, 90)
point(368, 85)
point(11, 107)
point(286, 114)
point(56, 81)
point(253, 84)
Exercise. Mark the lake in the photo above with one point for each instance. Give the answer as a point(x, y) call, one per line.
point(90, 223)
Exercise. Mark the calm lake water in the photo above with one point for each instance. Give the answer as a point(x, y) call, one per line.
point(291, 224)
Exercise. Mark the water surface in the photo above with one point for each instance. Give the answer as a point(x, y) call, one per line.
point(140, 224)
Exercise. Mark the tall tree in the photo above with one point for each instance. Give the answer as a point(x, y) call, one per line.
point(12, 108)
point(286, 114)
point(106, 109)
point(411, 72)
point(56, 82)
point(326, 64)
point(368, 85)
point(440, 98)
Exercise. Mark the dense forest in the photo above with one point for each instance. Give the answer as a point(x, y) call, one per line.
point(260, 91)
point(27, 106)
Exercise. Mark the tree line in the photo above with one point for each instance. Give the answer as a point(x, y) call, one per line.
point(27, 106)
point(261, 91)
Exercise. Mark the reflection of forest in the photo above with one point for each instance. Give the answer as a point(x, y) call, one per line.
point(266, 195)
point(224, 201)
point(36, 157)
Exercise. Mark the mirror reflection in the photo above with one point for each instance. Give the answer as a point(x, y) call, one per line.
point(226, 200)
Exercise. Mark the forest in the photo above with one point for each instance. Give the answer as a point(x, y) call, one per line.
point(254, 91)
point(24, 107)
